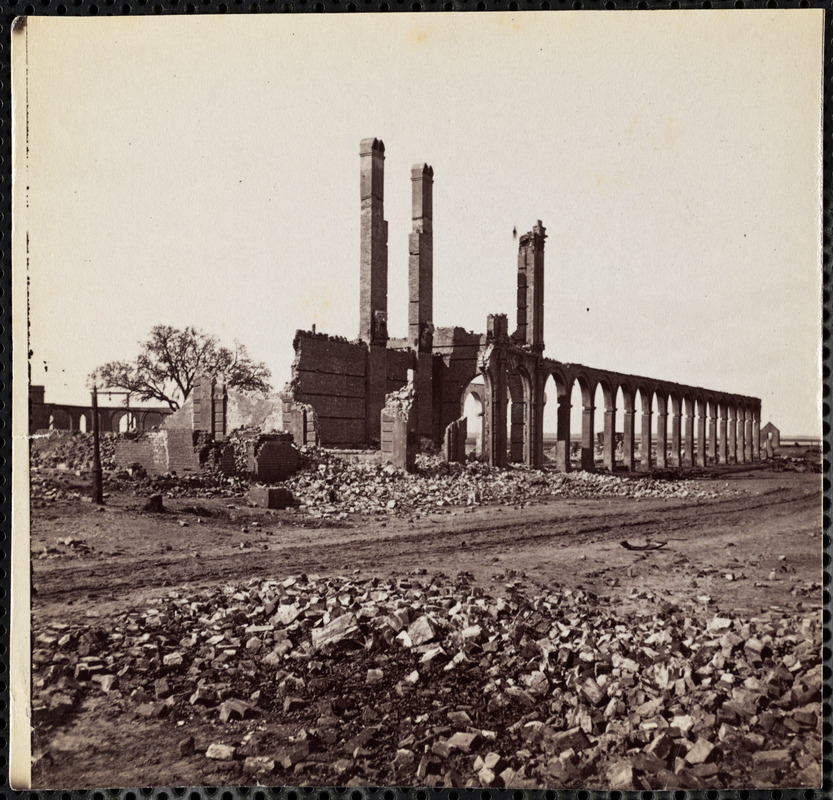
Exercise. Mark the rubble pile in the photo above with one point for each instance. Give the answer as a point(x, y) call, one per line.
point(71, 451)
point(399, 404)
point(209, 483)
point(418, 680)
point(44, 490)
point(331, 486)
point(796, 464)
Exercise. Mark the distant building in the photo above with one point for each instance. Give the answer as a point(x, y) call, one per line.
point(771, 434)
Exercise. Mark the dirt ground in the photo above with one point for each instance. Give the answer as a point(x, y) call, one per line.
point(756, 550)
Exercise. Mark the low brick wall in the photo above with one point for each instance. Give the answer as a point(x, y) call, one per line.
point(159, 452)
point(150, 450)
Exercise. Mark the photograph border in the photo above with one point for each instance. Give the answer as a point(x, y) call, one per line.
point(13, 8)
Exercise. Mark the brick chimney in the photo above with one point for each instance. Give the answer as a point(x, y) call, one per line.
point(421, 260)
point(373, 291)
point(530, 330)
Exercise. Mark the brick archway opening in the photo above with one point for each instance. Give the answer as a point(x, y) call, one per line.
point(473, 410)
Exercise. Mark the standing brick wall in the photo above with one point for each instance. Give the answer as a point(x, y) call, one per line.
point(457, 351)
point(300, 420)
point(209, 404)
point(275, 459)
point(346, 383)
point(397, 364)
point(329, 374)
point(182, 458)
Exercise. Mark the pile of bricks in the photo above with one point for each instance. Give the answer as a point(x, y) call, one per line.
point(330, 486)
point(421, 680)
point(71, 451)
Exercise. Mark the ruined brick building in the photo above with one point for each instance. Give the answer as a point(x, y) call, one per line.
point(346, 382)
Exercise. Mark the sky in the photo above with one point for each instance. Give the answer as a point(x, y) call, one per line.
point(205, 171)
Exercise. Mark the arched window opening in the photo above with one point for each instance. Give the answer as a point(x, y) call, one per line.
point(473, 397)
point(127, 422)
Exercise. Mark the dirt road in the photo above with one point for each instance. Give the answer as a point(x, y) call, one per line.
point(122, 555)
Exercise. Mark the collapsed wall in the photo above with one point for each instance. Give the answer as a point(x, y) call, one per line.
point(159, 452)
point(217, 410)
point(266, 457)
point(195, 433)
point(398, 426)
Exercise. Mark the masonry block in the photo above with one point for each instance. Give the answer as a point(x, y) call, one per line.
point(399, 444)
point(454, 444)
point(271, 497)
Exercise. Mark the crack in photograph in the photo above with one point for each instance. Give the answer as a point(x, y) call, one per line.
point(418, 400)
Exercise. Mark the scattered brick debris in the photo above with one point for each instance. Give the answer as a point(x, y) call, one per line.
point(430, 680)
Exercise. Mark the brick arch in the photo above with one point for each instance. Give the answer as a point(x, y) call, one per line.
point(105, 420)
point(674, 408)
point(60, 420)
point(150, 419)
point(520, 399)
point(117, 416)
point(478, 392)
point(628, 395)
point(628, 389)
point(563, 383)
point(748, 418)
point(472, 390)
point(711, 405)
point(562, 377)
point(608, 391)
point(661, 395)
point(711, 456)
point(645, 391)
point(587, 386)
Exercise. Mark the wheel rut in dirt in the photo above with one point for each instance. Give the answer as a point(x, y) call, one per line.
point(501, 532)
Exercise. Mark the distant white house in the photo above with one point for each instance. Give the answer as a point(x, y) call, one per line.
point(771, 434)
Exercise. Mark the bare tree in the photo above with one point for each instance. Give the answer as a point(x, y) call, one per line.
point(170, 360)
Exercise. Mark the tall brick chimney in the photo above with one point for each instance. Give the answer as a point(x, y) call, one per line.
point(421, 260)
point(373, 291)
point(530, 330)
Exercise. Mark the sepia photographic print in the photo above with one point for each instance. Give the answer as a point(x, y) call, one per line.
point(418, 400)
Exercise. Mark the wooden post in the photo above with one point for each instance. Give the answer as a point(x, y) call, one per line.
point(98, 489)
